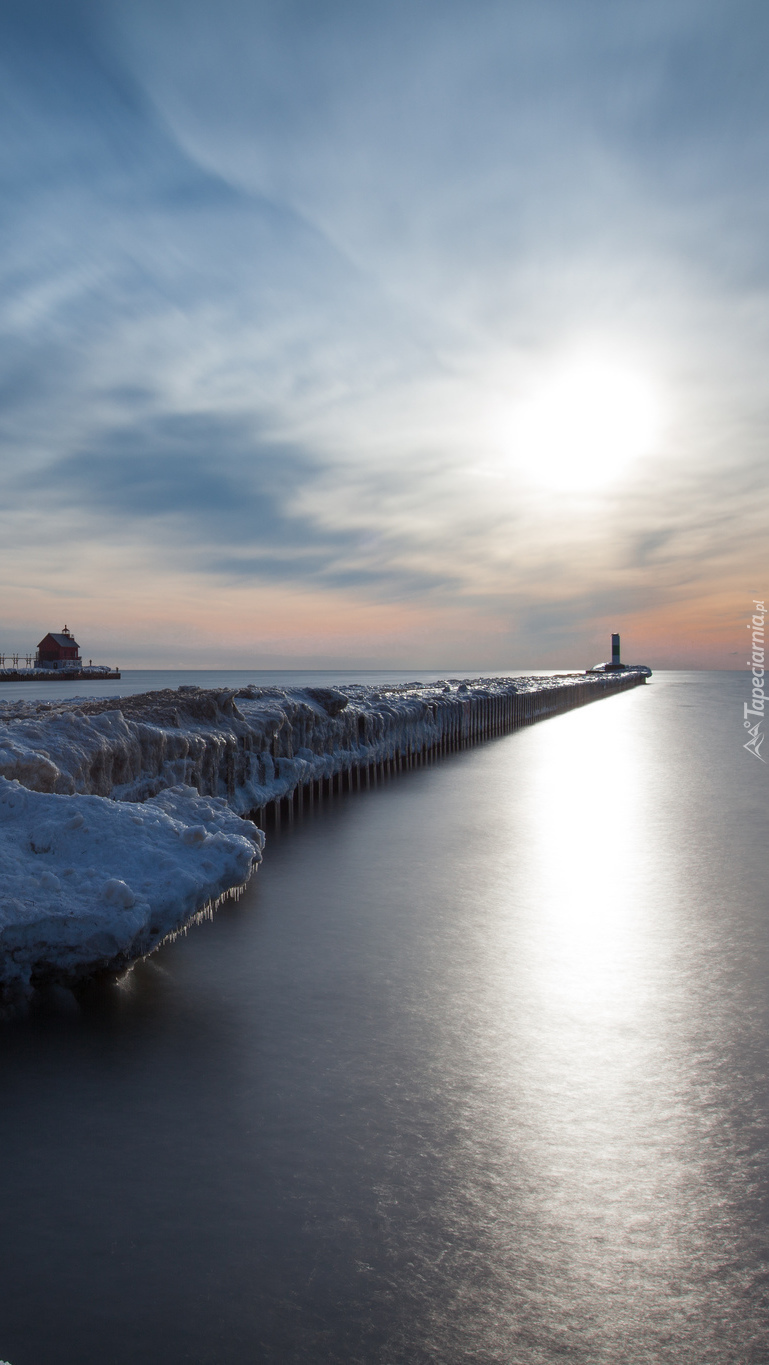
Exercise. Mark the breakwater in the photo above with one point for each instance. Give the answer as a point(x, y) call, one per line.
point(416, 730)
point(120, 819)
point(267, 750)
point(36, 675)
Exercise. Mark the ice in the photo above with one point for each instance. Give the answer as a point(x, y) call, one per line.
point(120, 820)
point(90, 883)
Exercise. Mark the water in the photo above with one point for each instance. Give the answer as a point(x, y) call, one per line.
point(475, 1071)
point(134, 680)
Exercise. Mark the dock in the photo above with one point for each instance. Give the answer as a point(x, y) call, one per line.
point(456, 721)
point(273, 752)
point(57, 660)
point(59, 674)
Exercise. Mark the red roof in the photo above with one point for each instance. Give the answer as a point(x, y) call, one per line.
point(56, 643)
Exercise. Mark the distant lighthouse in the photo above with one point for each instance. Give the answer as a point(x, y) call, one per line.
point(616, 665)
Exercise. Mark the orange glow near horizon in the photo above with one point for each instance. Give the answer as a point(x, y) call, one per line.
point(200, 624)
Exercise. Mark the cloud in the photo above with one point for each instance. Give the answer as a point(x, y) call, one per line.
point(217, 495)
point(269, 270)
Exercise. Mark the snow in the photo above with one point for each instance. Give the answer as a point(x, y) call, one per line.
point(120, 819)
point(90, 883)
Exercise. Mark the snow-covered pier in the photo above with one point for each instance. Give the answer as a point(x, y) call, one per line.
point(36, 675)
point(405, 726)
point(120, 819)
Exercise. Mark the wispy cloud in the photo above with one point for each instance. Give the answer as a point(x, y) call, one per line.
point(277, 279)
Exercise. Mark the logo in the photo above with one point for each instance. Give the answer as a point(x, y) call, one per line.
point(753, 745)
point(757, 697)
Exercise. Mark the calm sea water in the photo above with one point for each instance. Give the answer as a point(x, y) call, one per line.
point(477, 1070)
point(135, 680)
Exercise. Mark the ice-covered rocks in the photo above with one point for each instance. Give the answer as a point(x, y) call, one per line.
point(250, 747)
point(89, 883)
point(120, 819)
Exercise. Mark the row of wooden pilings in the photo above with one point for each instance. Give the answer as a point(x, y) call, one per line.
point(459, 721)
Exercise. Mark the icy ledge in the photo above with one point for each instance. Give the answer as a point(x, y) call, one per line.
point(120, 819)
point(92, 885)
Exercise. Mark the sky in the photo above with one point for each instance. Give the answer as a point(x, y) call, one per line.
point(424, 334)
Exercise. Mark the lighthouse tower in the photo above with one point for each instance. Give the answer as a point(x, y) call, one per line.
point(616, 665)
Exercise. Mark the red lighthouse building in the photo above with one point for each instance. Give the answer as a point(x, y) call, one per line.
point(58, 651)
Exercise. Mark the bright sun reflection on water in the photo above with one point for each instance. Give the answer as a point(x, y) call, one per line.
point(592, 945)
point(593, 1098)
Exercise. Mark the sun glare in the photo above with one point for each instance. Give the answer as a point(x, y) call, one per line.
point(581, 427)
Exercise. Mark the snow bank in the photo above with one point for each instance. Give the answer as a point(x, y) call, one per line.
point(90, 883)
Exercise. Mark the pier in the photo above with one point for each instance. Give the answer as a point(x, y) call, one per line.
point(458, 722)
point(273, 752)
point(57, 659)
point(15, 674)
point(112, 776)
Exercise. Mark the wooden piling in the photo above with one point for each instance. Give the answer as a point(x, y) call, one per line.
point(455, 722)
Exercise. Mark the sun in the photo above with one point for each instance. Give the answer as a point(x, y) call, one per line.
point(583, 424)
